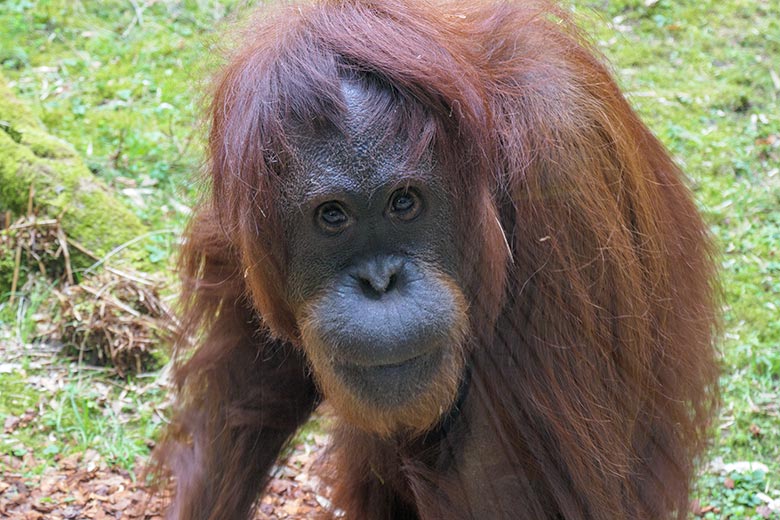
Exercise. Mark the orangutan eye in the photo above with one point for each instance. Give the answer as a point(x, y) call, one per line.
point(405, 204)
point(332, 217)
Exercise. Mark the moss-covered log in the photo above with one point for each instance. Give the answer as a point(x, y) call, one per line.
point(63, 185)
point(29, 156)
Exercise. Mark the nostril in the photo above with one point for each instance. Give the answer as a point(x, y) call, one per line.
point(368, 287)
point(391, 282)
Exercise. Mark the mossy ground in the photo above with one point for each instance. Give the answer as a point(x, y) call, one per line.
point(705, 75)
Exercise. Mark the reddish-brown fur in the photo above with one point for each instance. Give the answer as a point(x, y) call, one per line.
point(592, 373)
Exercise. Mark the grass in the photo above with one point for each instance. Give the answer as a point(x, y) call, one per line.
point(121, 84)
point(122, 87)
point(117, 83)
point(705, 77)
point(82, 411)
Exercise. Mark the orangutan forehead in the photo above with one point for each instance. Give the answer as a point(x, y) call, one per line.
point(367, 149)
point(363, 163)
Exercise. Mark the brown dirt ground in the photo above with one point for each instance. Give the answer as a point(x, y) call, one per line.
point(81, 486)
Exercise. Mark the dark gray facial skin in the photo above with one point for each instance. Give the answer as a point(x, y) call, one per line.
point(370, 245)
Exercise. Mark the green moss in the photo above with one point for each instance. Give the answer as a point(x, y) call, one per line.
point(14, 111)
point(17, 395)
point(62, 184)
